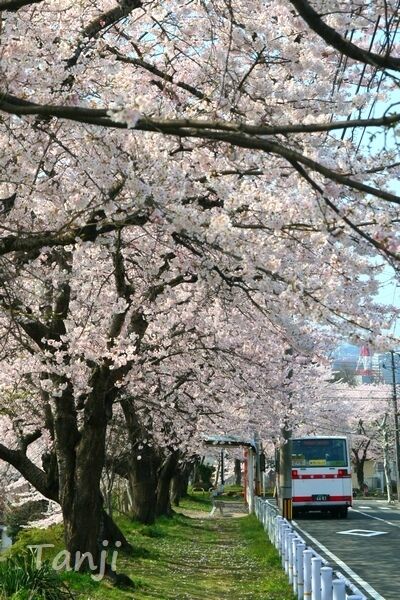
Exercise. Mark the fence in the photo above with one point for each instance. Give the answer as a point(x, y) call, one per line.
point(308, 572)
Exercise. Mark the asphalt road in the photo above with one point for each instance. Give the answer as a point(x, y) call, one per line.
point(367, 543)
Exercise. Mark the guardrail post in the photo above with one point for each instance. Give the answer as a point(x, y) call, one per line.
point(282, 529)
point(295, 542)
point(278, 532)
point(326, 583)
point(300, 569)
point(307, 556)
point(281, 523)
point(291, 537)
point(285, 558)
point(316, 564)
point(309, 579)
point(271, 525)
point(338, 589)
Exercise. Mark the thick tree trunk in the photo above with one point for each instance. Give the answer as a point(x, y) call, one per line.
point(142, 474)
point(46, 482)
point(142, 480)
point(176, 489)
point(179, 483)
point(112, 532)
point(238, 472)
point(165, 475)
point(80, 462)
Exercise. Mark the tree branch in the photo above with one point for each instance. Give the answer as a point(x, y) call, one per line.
point(36, 476)
point(243, 136)
point(334, 39)
point(102, 22)
point(14, 5)
point(28, 243)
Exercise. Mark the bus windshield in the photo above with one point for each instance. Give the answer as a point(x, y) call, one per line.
point(319, 452)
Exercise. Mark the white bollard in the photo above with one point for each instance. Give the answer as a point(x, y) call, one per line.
point(326, 583)
point(280, 535)
point(295, 543)
point(276, 532)
point(316, 565)
point(287, 532)
point(291, 537)
point(278, 525)
point(283, 529)
point(307, 556)
point(300, 569)
point(338, 589)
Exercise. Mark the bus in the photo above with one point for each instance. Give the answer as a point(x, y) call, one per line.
point(321, 475)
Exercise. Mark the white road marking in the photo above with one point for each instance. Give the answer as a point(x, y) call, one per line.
point(384, 507)
point(359, 581)
point(376, 518)
point(369, 507)
point(362, 532)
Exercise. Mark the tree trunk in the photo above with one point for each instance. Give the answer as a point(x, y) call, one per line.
point(386, 461)
point(165, 475)
point(142, 473)
point(359, 458)
point(360, 472)
point(179, 483)
point(112, 532)
point(238, 471)
point(142, 480)
point(46, 482)
point(80, 458)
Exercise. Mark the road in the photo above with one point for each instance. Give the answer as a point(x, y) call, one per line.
point(367, 542)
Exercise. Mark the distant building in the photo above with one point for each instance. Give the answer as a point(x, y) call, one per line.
point(357, 365)
point(374, 476)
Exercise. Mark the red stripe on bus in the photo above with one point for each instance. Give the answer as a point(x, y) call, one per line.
point(331, 499)
point(325, 476)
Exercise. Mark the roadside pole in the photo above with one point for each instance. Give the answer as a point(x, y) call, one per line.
point(285, 474)
point(396, 425)
point(285, 459)
point(258, 486)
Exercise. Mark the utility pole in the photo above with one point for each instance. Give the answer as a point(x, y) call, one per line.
point(258, 465)
point(285, 460)
point(285, 474)
point(222, 467)
point(396, 425)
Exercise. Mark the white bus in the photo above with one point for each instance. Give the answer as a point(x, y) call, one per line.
point(321, 475)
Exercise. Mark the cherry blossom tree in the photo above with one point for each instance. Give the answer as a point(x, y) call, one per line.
point(178, 209)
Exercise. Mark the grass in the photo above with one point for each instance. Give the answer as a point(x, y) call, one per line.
point(197, 501)
point(21, 579)
point(185, 558)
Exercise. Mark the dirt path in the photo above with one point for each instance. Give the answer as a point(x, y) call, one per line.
point(203, 558)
